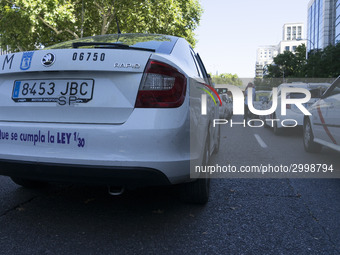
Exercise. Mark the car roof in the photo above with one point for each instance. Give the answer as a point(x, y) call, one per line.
point(304, 85)
point(263, 91)
point(157, 42)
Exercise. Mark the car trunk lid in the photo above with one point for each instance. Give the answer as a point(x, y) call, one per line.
point(71, 85)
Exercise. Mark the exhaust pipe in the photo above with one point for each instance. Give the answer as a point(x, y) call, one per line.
point(116, 191)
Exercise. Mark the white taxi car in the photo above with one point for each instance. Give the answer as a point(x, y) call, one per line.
point(294, 116)
point(112, 109)
point(323, 126)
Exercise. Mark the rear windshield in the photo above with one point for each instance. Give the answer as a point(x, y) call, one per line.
point(297, 95)
point(262, 95)
point(315, 93)
point(158, 43)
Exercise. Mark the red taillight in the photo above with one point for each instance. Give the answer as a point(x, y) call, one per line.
point(162, 86)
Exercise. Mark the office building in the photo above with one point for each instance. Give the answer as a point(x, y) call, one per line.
point(292, 37)
point(322, 24)
point(293, 34)
point(337, 22)
point(265, 56)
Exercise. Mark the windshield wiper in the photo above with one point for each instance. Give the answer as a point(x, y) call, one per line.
point(102, 45)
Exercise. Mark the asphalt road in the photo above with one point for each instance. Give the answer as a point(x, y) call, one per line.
point(243, 216)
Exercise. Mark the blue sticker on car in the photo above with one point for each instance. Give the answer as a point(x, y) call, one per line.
point(26, 60)
point(16, 89)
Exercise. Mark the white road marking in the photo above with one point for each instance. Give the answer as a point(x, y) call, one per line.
point(260, 141)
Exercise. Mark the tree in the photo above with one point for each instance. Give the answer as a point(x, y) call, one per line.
point(289, 64)
point(267, 83)
point(324, 63)
point(28, 24)
point(300, 58)
point(226, 78)
point(319, 64)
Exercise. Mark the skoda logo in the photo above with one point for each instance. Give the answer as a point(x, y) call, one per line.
point(48, 59)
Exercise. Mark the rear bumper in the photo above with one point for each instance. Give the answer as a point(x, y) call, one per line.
point(291, 119)
point(115, 176)
point(149, 142)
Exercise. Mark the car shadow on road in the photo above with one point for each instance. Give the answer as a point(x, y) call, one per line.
point(293, 131)
point(88, 200)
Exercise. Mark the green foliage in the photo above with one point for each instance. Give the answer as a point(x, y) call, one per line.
point(288, 64)
point(28, 24)
point(320, 63)
point(324, 63)
point(227, 78)
point(267, 83)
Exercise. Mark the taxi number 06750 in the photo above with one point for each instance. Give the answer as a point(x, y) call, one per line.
point(82, 56)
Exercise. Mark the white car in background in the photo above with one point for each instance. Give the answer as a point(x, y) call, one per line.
point(111, 109)
point(294, 116)
point(322, 128)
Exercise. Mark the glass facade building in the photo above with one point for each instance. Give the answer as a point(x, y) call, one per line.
point(321, 24)
point(337, 21)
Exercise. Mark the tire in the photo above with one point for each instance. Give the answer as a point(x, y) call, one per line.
point(217, 148)
point(198, 191)
point(230, 116)
point(277, 130)
point(264, 123)
point(308, 137)
point(225, 115)
point(27, 183)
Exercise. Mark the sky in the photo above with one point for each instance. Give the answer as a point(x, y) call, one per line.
point(230, 31)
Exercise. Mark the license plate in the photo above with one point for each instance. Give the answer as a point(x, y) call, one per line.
point(57, 90)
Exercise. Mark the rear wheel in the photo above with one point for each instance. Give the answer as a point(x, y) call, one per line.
point(28, 183)
point(198, 191)
point(225, 115)
point(230, 116)
point(308, 138)
point(265, 125)
point(277, 130)
point(217, 147)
